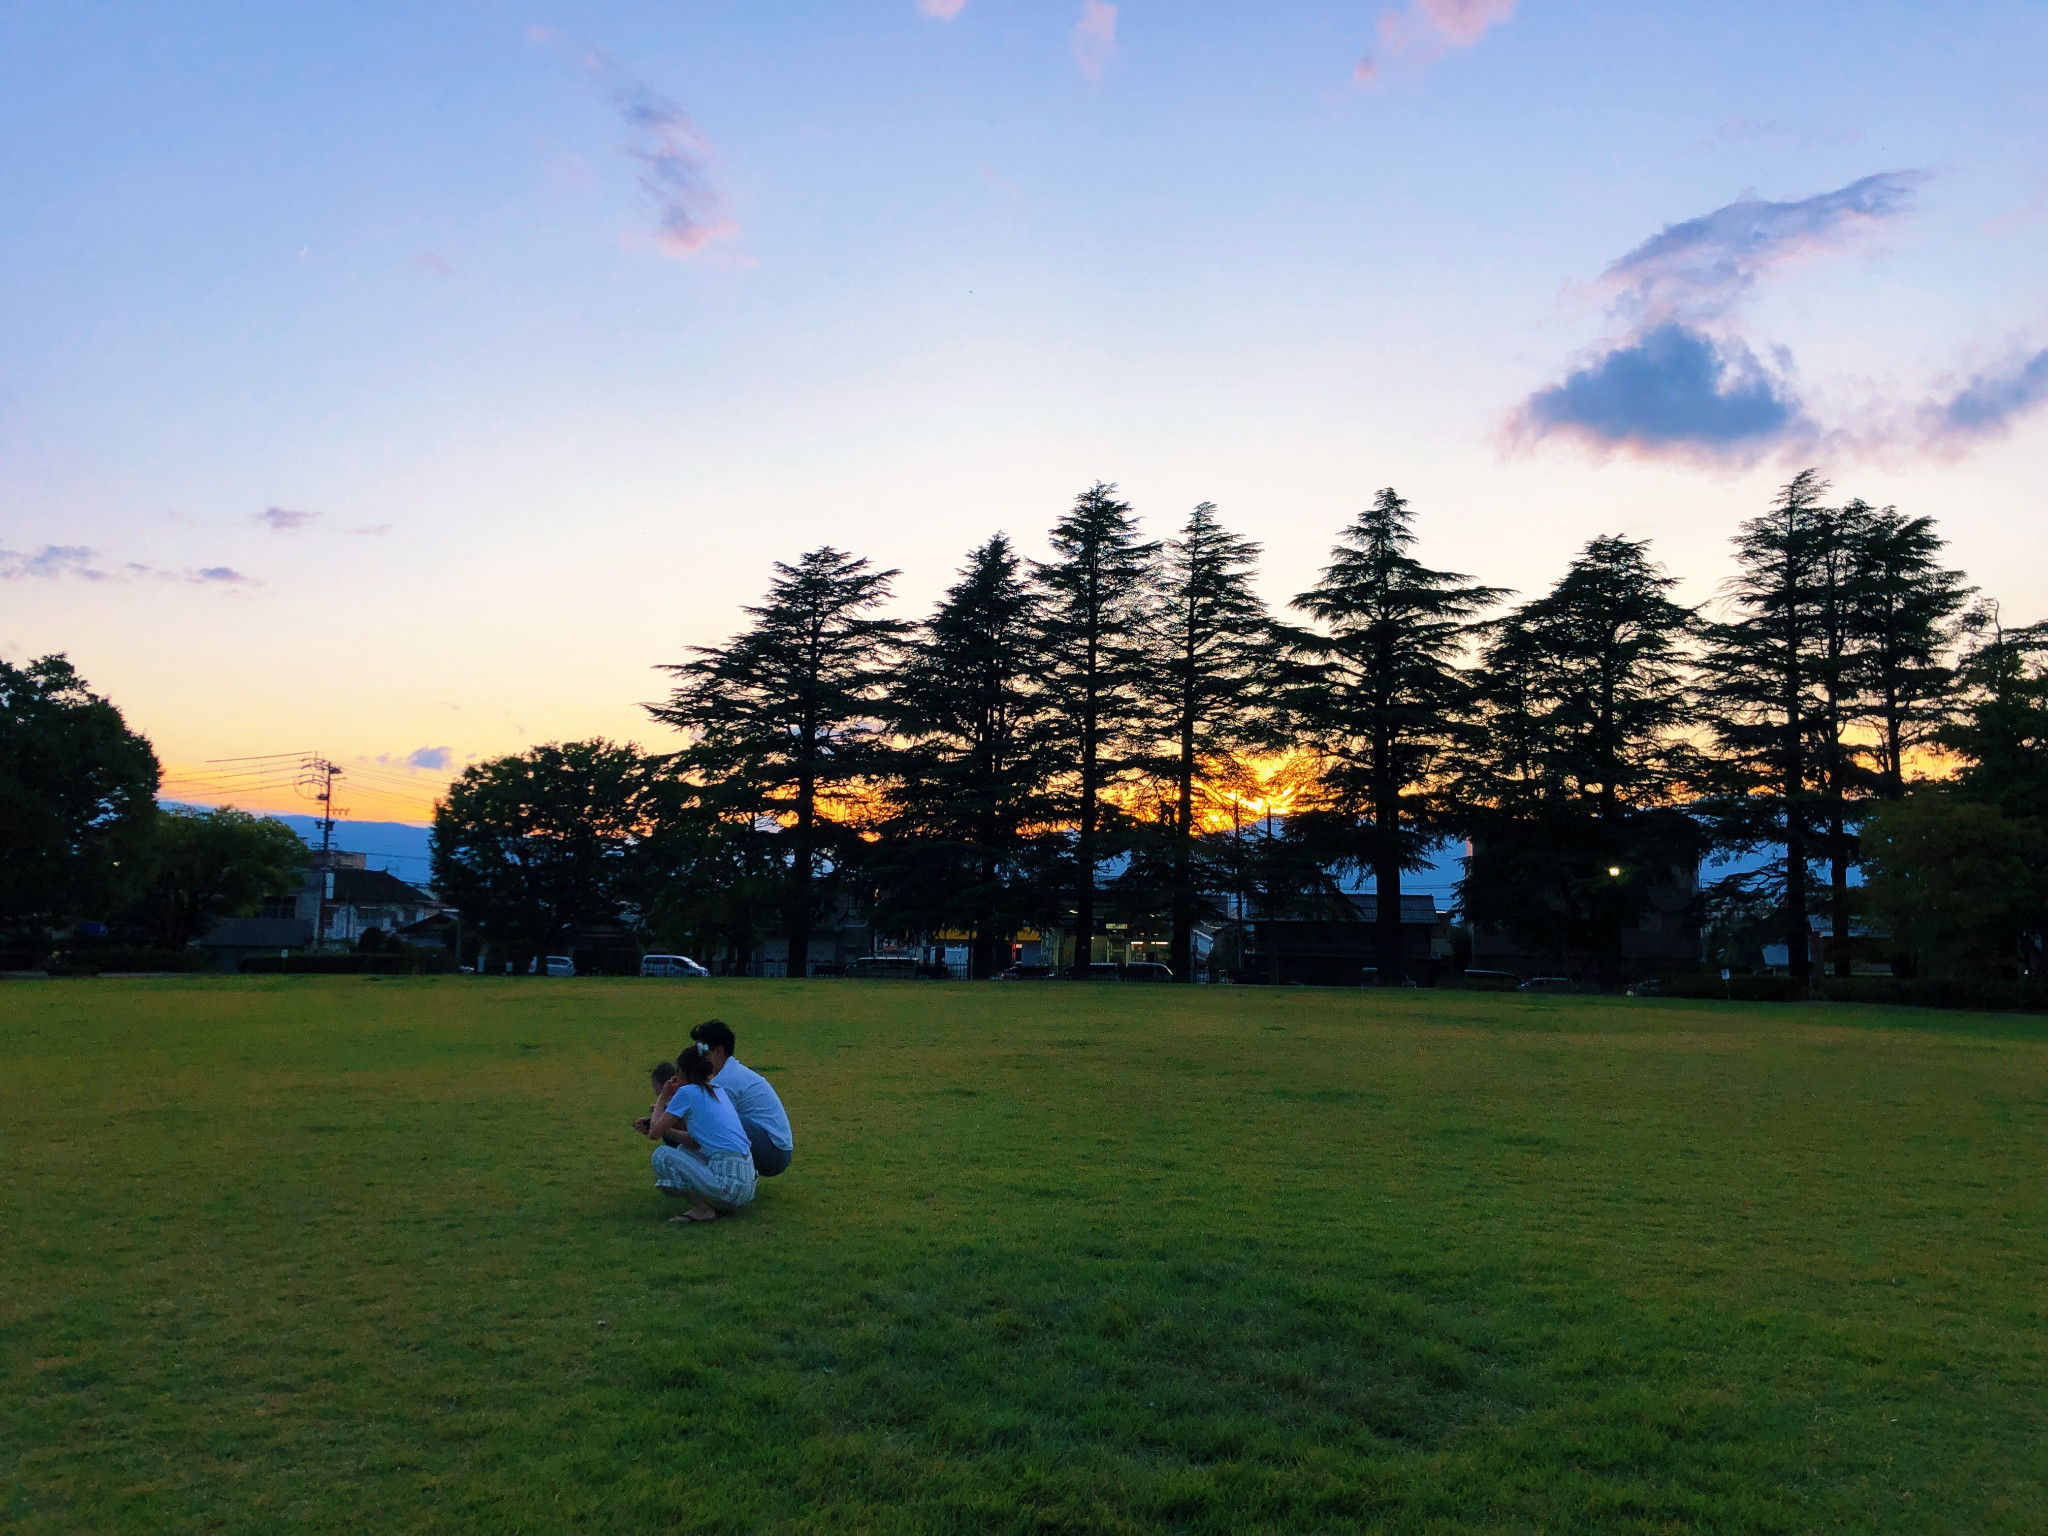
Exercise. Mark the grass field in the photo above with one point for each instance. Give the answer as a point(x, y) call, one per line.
point(383, 1255)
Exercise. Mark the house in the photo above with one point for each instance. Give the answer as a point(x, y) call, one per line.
point(1667, 937)
point(1336, 950)
point(342, 899)
point(235, 939)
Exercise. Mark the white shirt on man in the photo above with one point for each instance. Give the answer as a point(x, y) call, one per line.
point(756, 1102)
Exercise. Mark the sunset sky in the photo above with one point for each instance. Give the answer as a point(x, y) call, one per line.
point(404, 383)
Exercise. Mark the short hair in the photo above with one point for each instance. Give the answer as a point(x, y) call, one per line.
point(663, 1071)
point(715, 1032)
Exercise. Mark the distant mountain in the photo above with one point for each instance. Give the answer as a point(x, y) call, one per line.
point(396, 846)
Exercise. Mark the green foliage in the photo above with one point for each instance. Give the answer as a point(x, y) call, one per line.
point(780, 726)
point(77, 799)
point(2001, 730)
point(208, 864)
point(1959, 885)
point(1457, 1263)
point(530, 846)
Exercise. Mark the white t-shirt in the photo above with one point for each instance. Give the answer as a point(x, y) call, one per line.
point(710, 1118)
point(756, 1102)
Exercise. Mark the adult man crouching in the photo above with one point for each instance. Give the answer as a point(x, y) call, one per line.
point(761, 1113)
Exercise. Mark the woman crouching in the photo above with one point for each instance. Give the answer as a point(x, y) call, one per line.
point(705, 1156)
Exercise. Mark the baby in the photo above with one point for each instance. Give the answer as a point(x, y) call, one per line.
point(663, 1074)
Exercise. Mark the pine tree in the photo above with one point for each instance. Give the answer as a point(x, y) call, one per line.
point(780, 721)
point(1093, 667)
point(963, 792)
point(1766, 668)
point(1215, 655)
point(1384, 701)
point(1906, 610)
point(1585, 698)
point(1840, 779)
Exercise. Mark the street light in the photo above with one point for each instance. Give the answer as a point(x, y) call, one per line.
point(1614, 870)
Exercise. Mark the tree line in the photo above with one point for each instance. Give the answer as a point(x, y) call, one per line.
point(1087, 736)
point(87, 856)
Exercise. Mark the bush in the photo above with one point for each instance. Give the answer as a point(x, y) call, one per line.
point(416, 963)
point(68, 961)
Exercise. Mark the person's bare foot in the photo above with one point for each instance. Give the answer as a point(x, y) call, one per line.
point(697, 1213)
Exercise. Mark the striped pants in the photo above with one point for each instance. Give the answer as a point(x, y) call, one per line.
point(724, 1180)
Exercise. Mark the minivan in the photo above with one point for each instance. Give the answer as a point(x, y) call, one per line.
point(671, 965)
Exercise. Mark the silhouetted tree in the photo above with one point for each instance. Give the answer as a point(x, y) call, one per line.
point(1907, 605)
point(1585, 699)
point(77, 799)
point(1093, 666)
point(964, 781)
point(1384, 702)
point(204, 865)
point(1215, 661)
point(531, 846)
point(1766, 668)
point(780, 721)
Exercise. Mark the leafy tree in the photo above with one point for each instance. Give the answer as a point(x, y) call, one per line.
point(1215, 652)
point(1766, 667)
point(1961, 885)
point(1094, 668)
point(1840, 778)
point(964, 792)
point(77, 799)
point(780, 722)
point(1384, 701)
point(705, 880)
point(1585, 697)
point(209, 864)
point(530, 847)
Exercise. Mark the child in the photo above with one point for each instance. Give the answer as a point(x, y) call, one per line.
point(663, 1074)
point(705, 1156)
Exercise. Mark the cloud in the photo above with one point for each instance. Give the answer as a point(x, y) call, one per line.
point(945, 10)
point(1427, 30)
point(675, 159)
point(369, 531)
point(1700, 269)
point(54, 561)
point(433, 758)
point(284, 520)
point(50, 561)
point(434, 262)
point(1987, 405)
point(1095, 38)
point(1672, 388)
point(1680, 377)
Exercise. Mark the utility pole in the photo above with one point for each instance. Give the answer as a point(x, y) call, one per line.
point(326, 773)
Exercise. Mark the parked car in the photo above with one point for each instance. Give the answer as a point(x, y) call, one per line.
point(882, 968)
point(558, 965)
point(671, 965)
point(1548, 984)
point(1146, 970)
point(1485, 981)
point(1025, 973)
point(1649, 986)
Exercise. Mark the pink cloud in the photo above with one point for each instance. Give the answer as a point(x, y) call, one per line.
point(944, 10)
point(1427, 30)
point(675, 160)
point(1095, 38)
point(433, 261)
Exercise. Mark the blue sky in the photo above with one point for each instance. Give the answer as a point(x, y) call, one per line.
point(902, 279)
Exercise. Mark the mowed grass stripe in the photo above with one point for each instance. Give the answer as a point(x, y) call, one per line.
point(349, 1253)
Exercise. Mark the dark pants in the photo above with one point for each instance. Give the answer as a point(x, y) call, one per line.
point(769, 1159)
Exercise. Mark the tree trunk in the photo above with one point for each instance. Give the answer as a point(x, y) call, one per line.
point(1838, 893)
point(1183, 861)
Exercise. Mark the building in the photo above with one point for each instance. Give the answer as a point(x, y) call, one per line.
point(235, 939)
point(1666, 938)
point(342, 900)
point(1337, 950)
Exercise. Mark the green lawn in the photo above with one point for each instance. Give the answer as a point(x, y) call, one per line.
point(383, 1255)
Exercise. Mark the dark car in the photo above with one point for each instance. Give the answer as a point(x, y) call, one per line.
point(1025, 973)
point(1146, 970)
point(882, 968)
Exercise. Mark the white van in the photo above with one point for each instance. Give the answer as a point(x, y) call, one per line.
point(558, 965)
point(671, 965)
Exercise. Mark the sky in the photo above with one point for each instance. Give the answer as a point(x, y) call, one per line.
point(406, 384)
